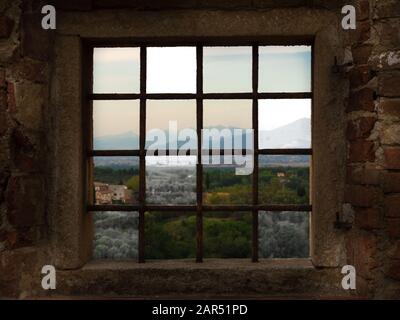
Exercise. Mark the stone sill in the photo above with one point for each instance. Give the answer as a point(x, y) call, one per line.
point(212, 278)
point(211, 264)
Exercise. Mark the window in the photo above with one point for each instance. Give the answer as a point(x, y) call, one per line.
point(150, 200)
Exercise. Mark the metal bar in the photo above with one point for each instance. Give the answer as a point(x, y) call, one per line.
point(142, 159)
point(284, 207)
point(172, 152)
point(188, 96)
point(114, 153)
point(87, 125)
point(284, 151)
point(115, 96)
point(199, 171)
point(210, 208)
point(255, 157)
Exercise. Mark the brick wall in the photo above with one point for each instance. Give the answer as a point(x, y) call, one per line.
point(373, 134)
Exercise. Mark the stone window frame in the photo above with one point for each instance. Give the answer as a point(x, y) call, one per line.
point(72, 226)
point(199, 96)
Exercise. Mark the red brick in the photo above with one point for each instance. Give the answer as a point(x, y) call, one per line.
point(25, 201)
point(30, 70)
point(35, 40)
point(363, 31)
point(392, 206)
point(360, 128)
point(361, 151)
point(361, 100)
point(391, 182)
point(11, 102)
point(368, 219)
point(365, 250)
point(6, 26)
point(389, 107)
point(392, 158)
point(362, 9)
point(361, 196)
point(392, 270)
point(389, 85)
point(3, 123)
point(3, 83)
point(360, 76)
point(393, 228)
point(367, 176)
point(361, 54)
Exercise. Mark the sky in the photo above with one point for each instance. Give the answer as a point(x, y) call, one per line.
point(225, 69)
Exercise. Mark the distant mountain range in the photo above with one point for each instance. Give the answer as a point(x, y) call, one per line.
point(293, 135)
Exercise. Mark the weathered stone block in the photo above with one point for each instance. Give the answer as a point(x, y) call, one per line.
point(25, 198)
point(393, 228)
point(361, 196)
point(30, 103)
point(389, 85)
point(389, 107)
point(360, 128)
point(392, 158)
point(361, 150)
point(6, 26)
point(391, 182)
point(361, 54)
point(368, 219)
point(360, 76)
point(35, 40)
point(389, 60)
point(361, 100)
point(390, 134)
point(367, 176)
point(392, 206)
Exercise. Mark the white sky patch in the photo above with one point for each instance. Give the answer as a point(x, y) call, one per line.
point(171, 70)
point(110, 55)
point(276, 113)
point(284, 49)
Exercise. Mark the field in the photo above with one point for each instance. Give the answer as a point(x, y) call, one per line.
point(172, 235)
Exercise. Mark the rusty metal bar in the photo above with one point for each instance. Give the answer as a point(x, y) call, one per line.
point(209, 208)
point(284, 152)
point(142, 158)
point(188, 96)
point(199, 171)
point(255, 157)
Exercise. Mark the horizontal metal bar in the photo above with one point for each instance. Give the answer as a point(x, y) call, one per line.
point(284, 152)
point(205, 96)
point(171, 208)
point(114, 96)
point(285, 207)
point(264, 207)
point(113, 153)
point(112, 207)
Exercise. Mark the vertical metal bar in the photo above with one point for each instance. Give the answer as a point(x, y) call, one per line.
point(255, 171)
point(87, 124)
point(199, 171)
point(142, 155)
point(311, 176)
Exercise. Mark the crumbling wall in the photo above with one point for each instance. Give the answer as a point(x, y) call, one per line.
point(372, 196)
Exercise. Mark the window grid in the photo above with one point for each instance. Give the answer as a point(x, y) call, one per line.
point(199, 96)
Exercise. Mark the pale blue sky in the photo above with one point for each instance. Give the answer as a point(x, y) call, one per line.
point(173, 70)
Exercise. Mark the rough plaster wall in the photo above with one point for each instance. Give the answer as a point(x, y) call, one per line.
point(372, 195)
